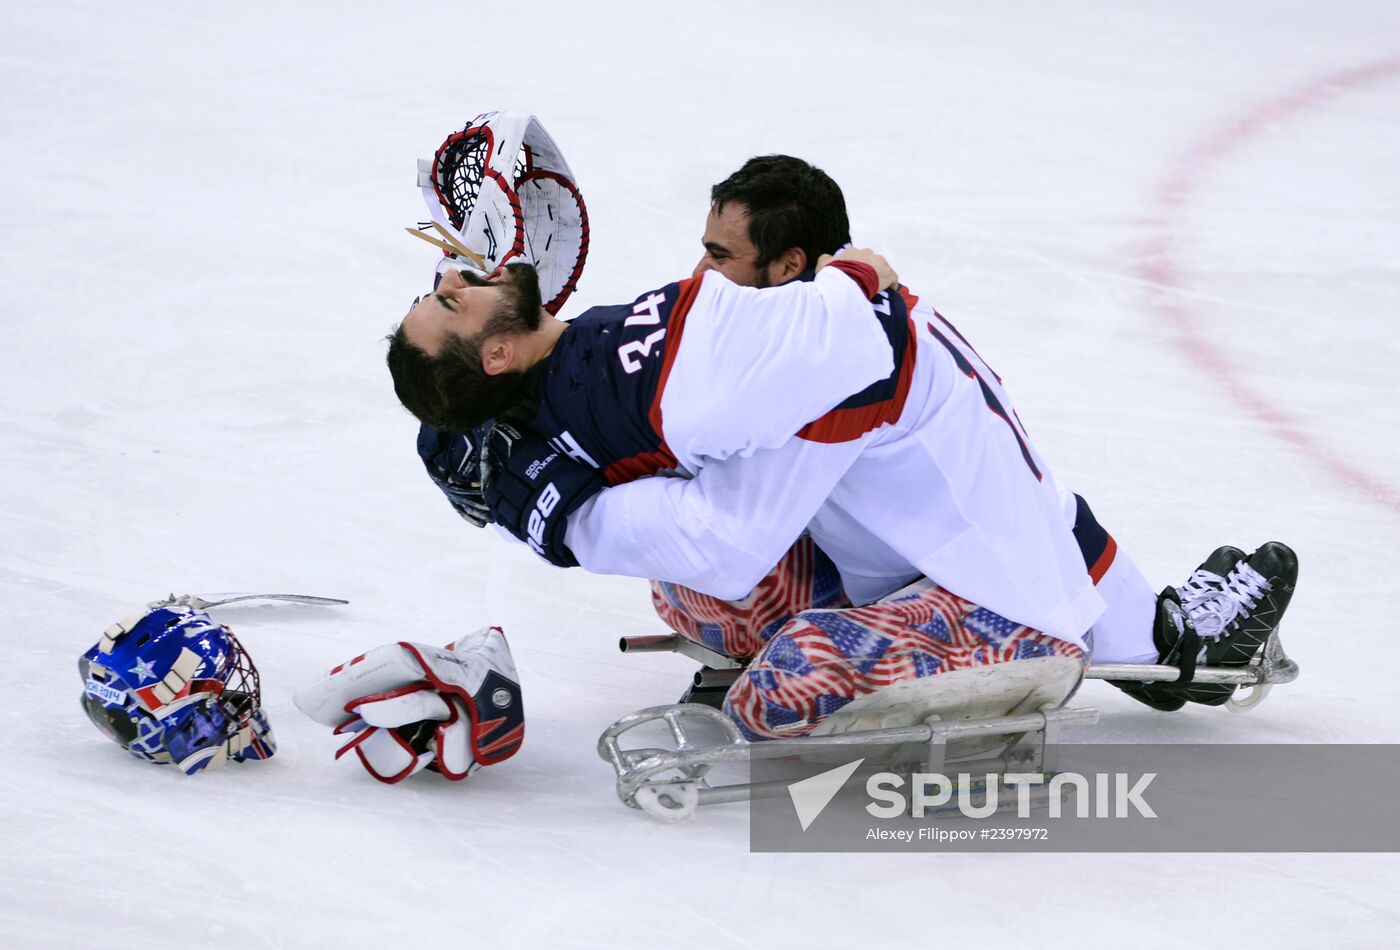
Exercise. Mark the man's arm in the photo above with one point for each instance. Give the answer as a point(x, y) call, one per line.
point(752, 367)
point(718, 532)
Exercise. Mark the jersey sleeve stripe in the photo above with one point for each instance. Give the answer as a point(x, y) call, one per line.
point(661, 458)
point(675, 326)
point(1104, 561)
point(852, 419)
point(640, 465)
point(1096, 545)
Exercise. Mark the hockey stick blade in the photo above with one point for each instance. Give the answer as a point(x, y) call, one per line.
point(204, 602)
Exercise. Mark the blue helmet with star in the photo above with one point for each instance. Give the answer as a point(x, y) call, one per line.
point(173, 686)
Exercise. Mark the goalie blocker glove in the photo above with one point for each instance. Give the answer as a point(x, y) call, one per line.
point(411, 706)
point(532, 488)
point(453, 462)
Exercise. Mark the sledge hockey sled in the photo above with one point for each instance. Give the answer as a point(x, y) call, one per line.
point(1001, 717)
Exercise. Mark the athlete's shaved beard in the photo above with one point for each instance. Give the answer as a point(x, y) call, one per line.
point(450, 391)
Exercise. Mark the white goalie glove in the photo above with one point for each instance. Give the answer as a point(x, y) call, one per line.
point(502, 188)
point(410, 706)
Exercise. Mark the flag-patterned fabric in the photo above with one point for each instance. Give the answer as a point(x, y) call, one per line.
point(804, 579)
point(823, 659)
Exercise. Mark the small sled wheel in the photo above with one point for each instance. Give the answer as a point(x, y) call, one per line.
point(674, 802)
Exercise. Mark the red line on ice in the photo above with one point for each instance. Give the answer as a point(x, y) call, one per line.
point(1158, 268)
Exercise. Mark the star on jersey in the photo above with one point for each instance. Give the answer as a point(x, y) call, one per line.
point(144, 670)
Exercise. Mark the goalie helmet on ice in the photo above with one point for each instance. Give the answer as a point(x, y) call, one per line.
point(173, 686)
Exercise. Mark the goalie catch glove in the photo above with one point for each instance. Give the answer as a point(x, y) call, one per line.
point(532, 488)
point(410, 706)
point(453, 463)
point(502, 184)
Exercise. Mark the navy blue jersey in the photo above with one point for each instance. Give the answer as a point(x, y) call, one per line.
point(598, 399)
point(599, 392)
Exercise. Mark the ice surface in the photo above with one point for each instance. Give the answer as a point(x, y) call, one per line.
point(1173, 228)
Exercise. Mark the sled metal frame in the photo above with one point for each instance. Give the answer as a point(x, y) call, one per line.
point(674, 643)
point(681, 773)
point(671, 783)
point(1270, 667)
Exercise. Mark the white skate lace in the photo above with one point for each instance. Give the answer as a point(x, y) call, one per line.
point(1214, 603)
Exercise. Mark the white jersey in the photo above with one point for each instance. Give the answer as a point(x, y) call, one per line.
point(874, 426)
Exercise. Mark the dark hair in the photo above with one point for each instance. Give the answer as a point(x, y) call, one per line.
point(450, 391)
point(790, 204)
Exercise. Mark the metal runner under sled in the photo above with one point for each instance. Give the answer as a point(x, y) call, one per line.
point(670, 783)
point(1270, 667)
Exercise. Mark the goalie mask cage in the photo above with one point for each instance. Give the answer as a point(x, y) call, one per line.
point(548, 218)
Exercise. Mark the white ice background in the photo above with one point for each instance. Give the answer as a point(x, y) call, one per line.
point(1161, 222)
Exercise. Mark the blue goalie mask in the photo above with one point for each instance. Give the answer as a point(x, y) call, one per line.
point(173, 686)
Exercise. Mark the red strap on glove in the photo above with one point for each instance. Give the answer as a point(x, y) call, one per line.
point(412, 706)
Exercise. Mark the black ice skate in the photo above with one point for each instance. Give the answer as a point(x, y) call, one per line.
point(1221, 617)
